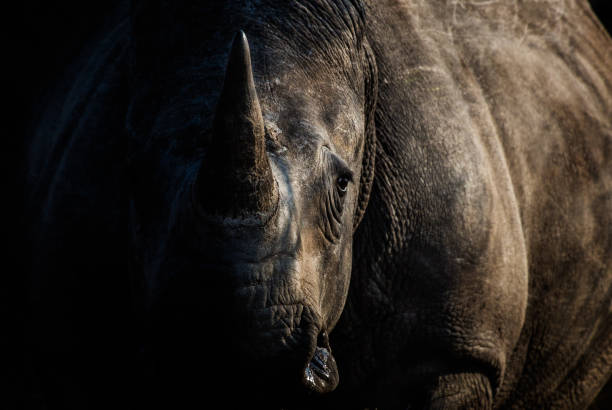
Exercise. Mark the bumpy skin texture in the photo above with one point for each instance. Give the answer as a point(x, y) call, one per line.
point(480, 274)
point(497, 116)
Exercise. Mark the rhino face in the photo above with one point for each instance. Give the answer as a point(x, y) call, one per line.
point(274, 201)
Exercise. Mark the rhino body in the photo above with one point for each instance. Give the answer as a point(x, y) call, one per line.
point(463, 154)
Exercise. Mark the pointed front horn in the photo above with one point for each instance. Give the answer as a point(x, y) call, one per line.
point(236, 179)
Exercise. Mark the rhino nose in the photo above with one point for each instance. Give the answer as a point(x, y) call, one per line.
point(236, 179)
point(321, 371)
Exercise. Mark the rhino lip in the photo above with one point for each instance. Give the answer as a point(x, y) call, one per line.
point(321, 372)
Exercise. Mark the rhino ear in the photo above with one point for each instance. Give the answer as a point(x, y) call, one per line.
point(236, 179)
point(369, 145)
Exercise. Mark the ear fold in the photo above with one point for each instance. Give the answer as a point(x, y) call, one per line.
point(370, 71)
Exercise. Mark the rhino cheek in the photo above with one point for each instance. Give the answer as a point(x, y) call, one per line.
point(337, 286)
point(322, 283)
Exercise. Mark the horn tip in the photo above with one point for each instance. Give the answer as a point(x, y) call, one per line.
point(240, 54)
point(241, 39)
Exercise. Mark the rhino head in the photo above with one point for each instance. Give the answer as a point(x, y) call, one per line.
point(280, 196)
point(262, 235)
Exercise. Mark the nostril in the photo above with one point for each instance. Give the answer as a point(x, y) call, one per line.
point(321, 372)
point(323, 339)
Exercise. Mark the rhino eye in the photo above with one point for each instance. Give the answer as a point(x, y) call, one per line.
point(342, 184)
point(332, 200)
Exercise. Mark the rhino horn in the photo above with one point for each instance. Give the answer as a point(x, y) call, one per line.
point(236, 178)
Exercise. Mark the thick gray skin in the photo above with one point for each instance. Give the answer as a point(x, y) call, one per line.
point(481, 272)
point(498, 118)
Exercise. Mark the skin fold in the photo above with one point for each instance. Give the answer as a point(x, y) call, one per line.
point(394, 204)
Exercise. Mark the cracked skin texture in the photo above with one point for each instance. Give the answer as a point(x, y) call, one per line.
point(481, 273)
point(508, 101)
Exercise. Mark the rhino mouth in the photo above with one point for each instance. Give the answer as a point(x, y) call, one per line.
point(320, 375)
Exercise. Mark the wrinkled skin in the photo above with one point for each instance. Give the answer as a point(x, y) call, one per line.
point(479, 276)
point(283, 270)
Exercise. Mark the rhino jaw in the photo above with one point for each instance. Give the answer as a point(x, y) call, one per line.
point(321, 372)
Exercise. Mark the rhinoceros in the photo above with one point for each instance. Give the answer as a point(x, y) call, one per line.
point(326, 204)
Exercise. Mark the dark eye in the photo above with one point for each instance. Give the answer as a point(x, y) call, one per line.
point(342, 184)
